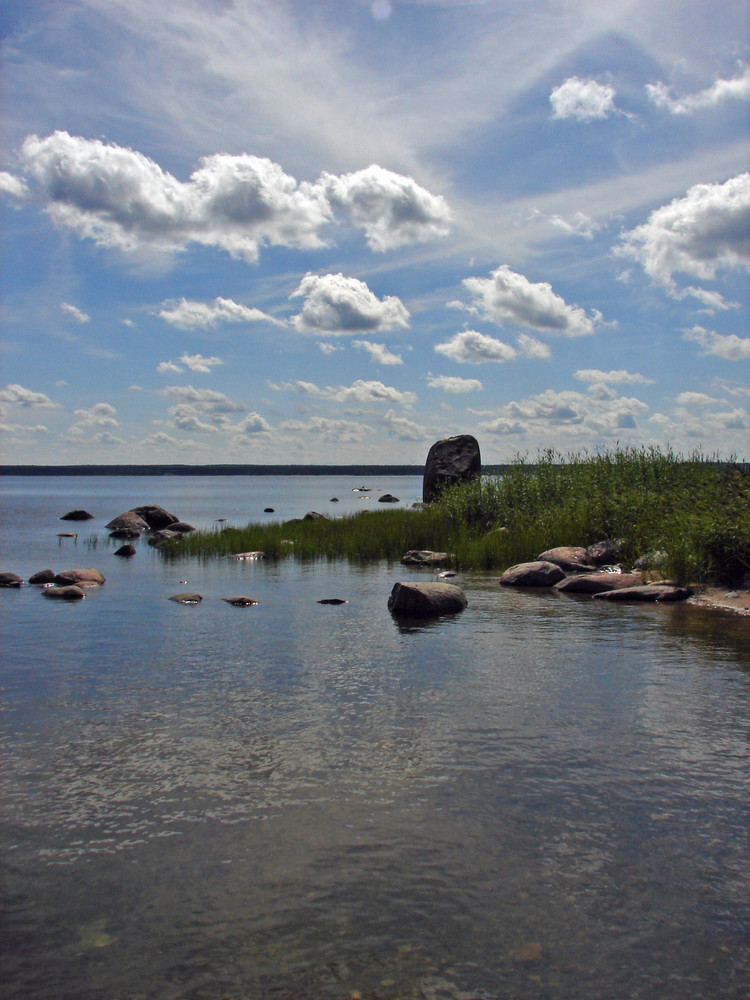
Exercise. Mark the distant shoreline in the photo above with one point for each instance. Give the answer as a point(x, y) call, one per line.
point(357, 471)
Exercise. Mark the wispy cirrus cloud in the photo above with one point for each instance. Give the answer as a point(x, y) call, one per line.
point(74, 312)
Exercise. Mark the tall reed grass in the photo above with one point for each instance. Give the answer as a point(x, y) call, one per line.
point(695, 510)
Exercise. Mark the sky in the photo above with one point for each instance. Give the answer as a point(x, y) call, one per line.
point(284, 231)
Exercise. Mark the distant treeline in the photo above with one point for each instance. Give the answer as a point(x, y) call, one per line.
point(357, 471)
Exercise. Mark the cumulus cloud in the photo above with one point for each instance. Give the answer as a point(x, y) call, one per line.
point(509, 297)
point(252, 424)
point(204, 400)
point(402, 428)
point(532, 348)
point(336, 431)
point(619, 377)
point(730, 347)
point(26, 398)
point(454, 384)
point(735, 89)
point(360, 391)
point(197, 363)
point(74, 312)
point(168, 368)
point(188, 418)
point(188, 314)
point(98, 415)
point(472, 347)
point(392, 209)
point(337, 305)
point(238, 203)
point(584, 100)
point(707, 229)
point(574, 413)
point(14, 186)
point(378, 352)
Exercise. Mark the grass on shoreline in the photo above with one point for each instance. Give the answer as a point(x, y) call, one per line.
point(695, 509)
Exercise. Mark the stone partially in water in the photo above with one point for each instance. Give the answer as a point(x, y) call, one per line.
point(80, 577)
point(532, 574)
point(64, 593)
point(240, 601)
point(423, 557)
point(77, 515)
point(43, 576)
point(10, 580)
point(648, 592)
point(187, 598)
point(425, 600)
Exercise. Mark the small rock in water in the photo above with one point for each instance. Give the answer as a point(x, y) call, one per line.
point(77, 515)
point(125, 551)
point(446, 574)
point(42, 577)
point(240, 601)
point(186, 598)
point(10, 580)
point(334, 500)
point(71, 593)
point(268, 510)
point(332, 600)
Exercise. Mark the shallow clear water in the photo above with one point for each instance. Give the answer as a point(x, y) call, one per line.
point(539, 797)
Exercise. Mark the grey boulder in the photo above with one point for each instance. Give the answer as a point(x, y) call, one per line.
point(187, 598)
point(425, 600)
point(77, 515)
point(127, 520)
point(156, 517)
point(452, 460)
point(532, 574)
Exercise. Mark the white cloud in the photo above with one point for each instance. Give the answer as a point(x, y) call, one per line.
point(509, 297)
point(378, 352)
point(392, 209)
point(454, 383)
point(337, 431)
point(239, 203)
point(98, 415)
point(737, 88)
point(730, 347)
point(14, 186)
point(618, 377)
point(188, 418)
point(707, 229)
point(402, 428)
point(336, 305)
point(74, 312)
point(252, 424)
point(326, 348)
point(694, 399)
point(197, 363)
point(191, 315)
point(204, 400)
point(532, 348)
point(168, 368)
point(359, 392)
point(576, 415)
point(472, 347)
point(584, 100)
point(26, 398)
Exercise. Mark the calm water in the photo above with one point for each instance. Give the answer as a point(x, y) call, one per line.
point(542, 797)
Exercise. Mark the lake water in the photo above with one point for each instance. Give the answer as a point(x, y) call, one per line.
point(541, 797)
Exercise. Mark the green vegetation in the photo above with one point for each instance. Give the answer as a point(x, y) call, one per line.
point(696, 510)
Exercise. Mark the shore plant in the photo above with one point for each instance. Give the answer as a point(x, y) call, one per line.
point(693, 511)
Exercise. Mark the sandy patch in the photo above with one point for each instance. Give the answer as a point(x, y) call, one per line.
point(722, 598)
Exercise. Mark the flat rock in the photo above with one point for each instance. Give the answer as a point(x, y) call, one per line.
point(187, 598)
point(181, 527)
point(71, 593)
point(79, 578)
point(647, 592)
point(10, 580)
point(240, 601)
point(268, 510)
point(598, 583)
point(77, 515)
point(532, 574)
point(425, 600)
point(43, 576)
point(423, 557)
point(572, 558)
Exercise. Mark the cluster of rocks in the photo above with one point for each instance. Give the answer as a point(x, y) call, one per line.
point(575, 569)
point(158, 522)
point(68, 585)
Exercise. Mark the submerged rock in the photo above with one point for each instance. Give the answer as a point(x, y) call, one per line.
point(532, 574)
point(598, 583)
point(423, 557)
point(333, 600)
point(80, 577)
point(248, 556)
point(647, 592)
point(425, 600)
point(71, 593)
point(77, 515)
point(158, 538)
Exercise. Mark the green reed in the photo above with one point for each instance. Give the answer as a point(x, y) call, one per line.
point(694, 509)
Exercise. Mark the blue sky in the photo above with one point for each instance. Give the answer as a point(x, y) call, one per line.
point(283, 231)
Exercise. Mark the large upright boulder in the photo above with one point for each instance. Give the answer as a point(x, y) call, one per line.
point(449, 461)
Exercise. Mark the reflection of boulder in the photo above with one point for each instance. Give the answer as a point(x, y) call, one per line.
point(125, 533)
point(10, 580)
point(77, 515)
point(452, 460)
point(425, 600)
point(532, 574)
point(80, 577)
